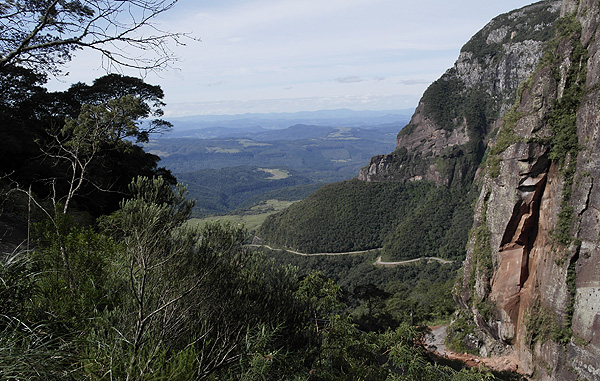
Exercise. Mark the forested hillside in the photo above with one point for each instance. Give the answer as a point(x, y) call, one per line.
point(380, 297)
point(226, 189)
point(407, 220)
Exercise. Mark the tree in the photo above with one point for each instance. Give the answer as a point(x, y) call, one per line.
point(107, 87)
point(85, 137)
point(94, 136)
point(18, 88)
point(159, 252)
point(105, 126)
point(190, 291)
point(372, 295)
point(43, 34)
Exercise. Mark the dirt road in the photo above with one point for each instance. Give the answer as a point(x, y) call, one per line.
point(377, 262)
point(435, 340)
point(315, 254)
point(381, 263)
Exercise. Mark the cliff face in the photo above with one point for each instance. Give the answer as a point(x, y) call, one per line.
point(447, 134)
point(520, 114)
point(531, 279)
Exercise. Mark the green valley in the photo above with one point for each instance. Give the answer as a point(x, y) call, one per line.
point(409, 220)
point(229, 173)
point(250, 218)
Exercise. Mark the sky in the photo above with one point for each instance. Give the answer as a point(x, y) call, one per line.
point(261, 56)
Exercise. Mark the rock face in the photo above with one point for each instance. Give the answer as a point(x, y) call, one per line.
point(531, 284)
point(458, 111)
point(518, 118)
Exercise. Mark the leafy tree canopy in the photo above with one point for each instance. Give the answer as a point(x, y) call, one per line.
point(78, 143)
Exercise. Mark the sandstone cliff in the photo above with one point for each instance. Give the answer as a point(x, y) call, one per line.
point(531, 279)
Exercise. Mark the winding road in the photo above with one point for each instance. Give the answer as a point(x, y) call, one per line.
point(429, 259)
point(315, 254)
point(377, 262)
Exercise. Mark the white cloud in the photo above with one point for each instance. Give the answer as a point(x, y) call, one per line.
point(349, 79)
point(257, 50)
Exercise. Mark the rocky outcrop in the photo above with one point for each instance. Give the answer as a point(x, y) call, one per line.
point(535, 289)
point(445, 139)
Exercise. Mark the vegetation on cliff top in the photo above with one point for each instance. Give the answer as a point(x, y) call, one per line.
point(538, 25)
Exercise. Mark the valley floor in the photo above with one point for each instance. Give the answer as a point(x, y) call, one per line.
point(435, 343)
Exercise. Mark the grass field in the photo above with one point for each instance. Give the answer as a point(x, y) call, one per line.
point(251, 218)
point(276, 174)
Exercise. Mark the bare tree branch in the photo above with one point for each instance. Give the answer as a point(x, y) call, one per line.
point(43, 34)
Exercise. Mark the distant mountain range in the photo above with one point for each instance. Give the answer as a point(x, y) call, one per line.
point(381, 132)
point(212, 126)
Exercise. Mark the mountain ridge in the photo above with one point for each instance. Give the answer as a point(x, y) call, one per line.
point(337, 118)
point(441, 148)
point(458, 111)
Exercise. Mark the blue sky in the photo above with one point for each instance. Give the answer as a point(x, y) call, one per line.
point(304, 55)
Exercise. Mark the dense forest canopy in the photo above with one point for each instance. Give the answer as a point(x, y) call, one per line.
point(407, 220)
point(77, 145)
